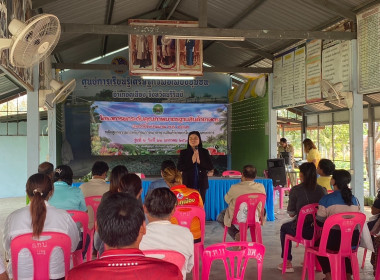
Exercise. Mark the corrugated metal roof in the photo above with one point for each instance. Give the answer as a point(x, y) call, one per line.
point(131, 8)
point(78, 11)
point(269, 14)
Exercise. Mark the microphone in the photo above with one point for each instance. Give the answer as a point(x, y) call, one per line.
point(196, 148)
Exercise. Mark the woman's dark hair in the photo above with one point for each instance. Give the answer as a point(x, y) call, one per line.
point(327, 166)
point(117, 172)
point(199, 136)
point(308, 144)
point(160, 202)
point(309, 175)
point(63, 173)
point(38, 188)
point(342, 178)
point(130, 183)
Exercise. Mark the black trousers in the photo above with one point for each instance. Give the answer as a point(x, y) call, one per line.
point(333, 243)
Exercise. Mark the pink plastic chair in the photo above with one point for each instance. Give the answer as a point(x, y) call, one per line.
point(80, 217)
point(309, 209)
point(40, 250)
point(247, 250)
point(184, 216)
point(231, 173)
point(93, 202)
point(167, 255)
point(252, 200)
point(347, 222)
point(377, 275)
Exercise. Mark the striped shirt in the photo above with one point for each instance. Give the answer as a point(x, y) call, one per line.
point(333, 203)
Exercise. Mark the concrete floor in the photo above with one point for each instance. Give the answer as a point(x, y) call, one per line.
point(214, 234)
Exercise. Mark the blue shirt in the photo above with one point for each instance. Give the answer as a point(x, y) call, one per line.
point(160, 183)
point(333, 203)
point(67, 197)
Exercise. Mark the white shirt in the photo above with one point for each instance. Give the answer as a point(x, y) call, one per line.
point(20, 222)
point(166, 236)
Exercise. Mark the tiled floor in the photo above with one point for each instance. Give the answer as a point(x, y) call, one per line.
point(214, 234)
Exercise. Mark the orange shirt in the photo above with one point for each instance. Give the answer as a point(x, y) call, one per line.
point(186, 196)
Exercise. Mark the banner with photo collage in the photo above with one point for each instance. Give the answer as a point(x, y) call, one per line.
point(162, 56)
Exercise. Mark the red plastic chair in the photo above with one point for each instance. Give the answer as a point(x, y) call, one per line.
point(231, 173)
point(93, 202)
point(247, 250)
point(40, 250)
point(347, 223)
point(82, 218)
point(184, 216)
point(252, 200)
point(167, 255)
point(310, 209)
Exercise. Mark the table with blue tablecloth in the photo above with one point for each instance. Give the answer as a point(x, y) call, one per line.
point(218, 187)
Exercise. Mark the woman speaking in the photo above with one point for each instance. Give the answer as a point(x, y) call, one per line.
point(195, 162)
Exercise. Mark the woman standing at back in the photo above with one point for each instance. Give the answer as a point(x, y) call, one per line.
point(312, 153)
point(36, 218)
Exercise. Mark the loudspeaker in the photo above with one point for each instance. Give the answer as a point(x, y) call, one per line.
point(276, 171)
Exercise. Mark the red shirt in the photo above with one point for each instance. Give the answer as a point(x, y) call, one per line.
point(126, 264)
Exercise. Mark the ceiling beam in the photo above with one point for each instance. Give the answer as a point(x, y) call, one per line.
point(172, 9)
point(249, 45)
point(368, 99)
point(39, 3)
point(336, 9)
point(240, 17)
point(79, 40)
point(75, 28)
point(202, 13)
point(246, 13)
point(79, 66)
point(332, 106)
point(107, 21)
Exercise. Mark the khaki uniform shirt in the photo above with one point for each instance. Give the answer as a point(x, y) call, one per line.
point(237, 190)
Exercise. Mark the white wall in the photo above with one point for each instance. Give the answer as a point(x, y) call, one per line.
point(13, 164)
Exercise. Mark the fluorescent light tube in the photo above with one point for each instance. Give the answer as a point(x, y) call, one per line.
point(168, 77)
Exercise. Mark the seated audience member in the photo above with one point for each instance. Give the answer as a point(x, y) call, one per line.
point(117, 172)
point(341, 200)
point(325, 169)
point(65, 196)
point(159, 206)
point(160, 183)
point(129, 183)
point(121, 225)
point(3, 272)
point(300, 195)
point(97, 186)
point(246, 186)
point(46, 168)
point(374, 227)
point(37, 218)
point(185, 196)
